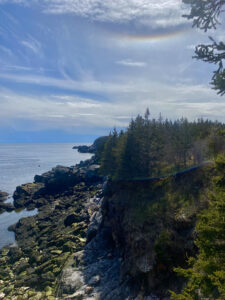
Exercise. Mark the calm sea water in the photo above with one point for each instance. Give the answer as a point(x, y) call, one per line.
point(19, 163)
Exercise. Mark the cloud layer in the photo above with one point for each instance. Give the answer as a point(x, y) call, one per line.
point(90, 65)
point(160, 13)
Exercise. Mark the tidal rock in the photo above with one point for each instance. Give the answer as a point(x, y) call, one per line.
point(26, 193)
point(3, 196)
point(58, 179)
point(6, 207)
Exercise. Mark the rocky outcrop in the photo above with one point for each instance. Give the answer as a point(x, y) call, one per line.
point(28, 195)
point(84, 149)
point(96, 148)
point(59, 179)
point(5, 206)
point(3, 196)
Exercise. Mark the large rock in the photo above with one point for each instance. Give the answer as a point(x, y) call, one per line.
point(26, 193)
point(58, 179)
point(62, 178)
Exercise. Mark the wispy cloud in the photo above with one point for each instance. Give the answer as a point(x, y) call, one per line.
point(165, 12)
point(159, 13)
point(85, 85)
point(32, 44)
point(5, 50)
point(131, 63)
point(127, 99)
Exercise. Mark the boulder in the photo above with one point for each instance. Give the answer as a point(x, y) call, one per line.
point(24, 194)
point(6, 207)
point(3, 196)
point(58, 179)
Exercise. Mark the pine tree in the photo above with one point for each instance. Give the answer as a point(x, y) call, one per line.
point(108, 160)
point(205, 15)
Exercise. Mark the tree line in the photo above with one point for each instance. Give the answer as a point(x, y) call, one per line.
point(156, 147)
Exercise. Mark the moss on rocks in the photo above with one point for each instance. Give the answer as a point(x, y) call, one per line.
point(47, 240)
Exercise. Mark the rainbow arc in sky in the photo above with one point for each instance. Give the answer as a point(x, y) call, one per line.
point(156, 36)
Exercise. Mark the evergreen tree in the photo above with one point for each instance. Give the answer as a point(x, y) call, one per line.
point(206, 275)
point(205, 15)
point(108, 160)
point(153, 148)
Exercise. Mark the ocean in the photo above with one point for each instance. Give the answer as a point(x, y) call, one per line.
point(19, 163)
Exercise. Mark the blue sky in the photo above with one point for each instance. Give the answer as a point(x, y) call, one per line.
point(70, 70)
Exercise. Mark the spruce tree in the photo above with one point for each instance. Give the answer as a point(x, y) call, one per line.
point(206, 272)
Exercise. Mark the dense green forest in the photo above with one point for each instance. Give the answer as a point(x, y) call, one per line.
point(153, 148)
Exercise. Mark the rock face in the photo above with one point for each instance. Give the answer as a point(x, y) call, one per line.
point(153, 227)
point(94, 273)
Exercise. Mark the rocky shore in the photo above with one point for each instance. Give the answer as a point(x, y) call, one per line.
point(98, 239)
point(66, 199)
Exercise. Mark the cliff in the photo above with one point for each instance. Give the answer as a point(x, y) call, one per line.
point(153, 227)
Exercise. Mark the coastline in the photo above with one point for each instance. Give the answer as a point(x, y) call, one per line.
point(19, 163)
point(97, 239)
point(46, 241)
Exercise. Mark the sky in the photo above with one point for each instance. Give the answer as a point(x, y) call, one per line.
point(71, 70)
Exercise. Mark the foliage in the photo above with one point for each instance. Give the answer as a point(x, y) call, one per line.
point(205, 15)
point(155, 148)
point(206, 272)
